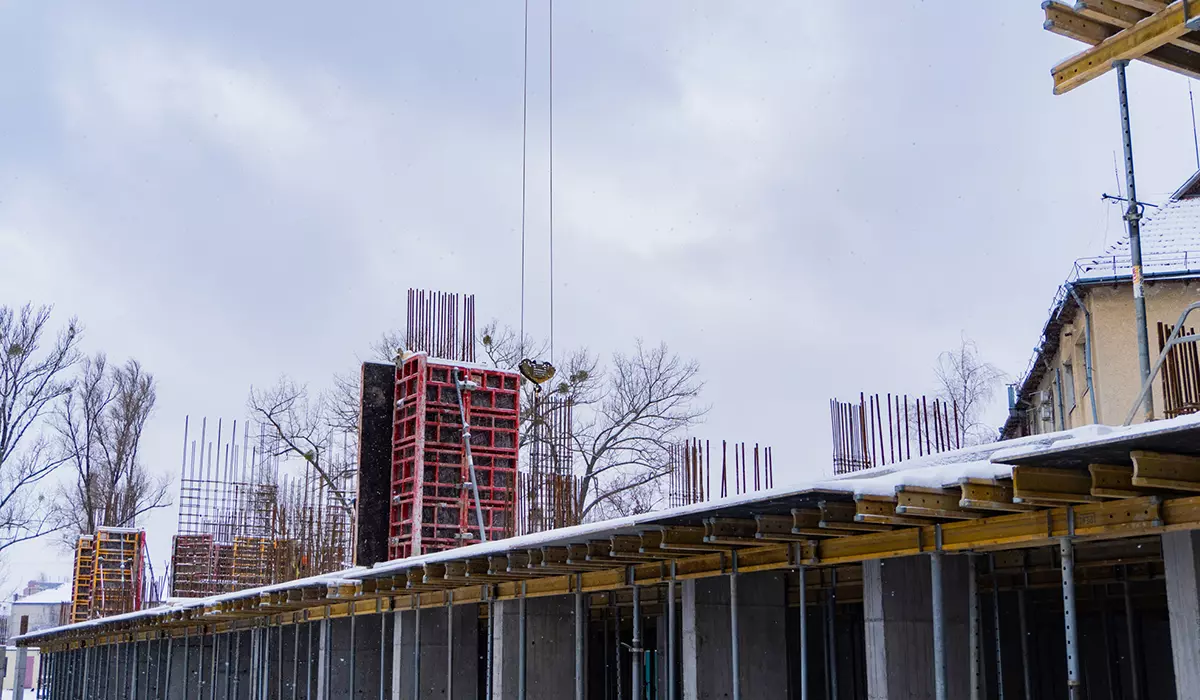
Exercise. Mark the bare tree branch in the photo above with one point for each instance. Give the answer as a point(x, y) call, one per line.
point(966, 380)
point(33, 381)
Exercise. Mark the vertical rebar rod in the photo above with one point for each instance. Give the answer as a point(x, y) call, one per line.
point(580, 626)
point(1133, 221)
point(521, 644)
point(734, 636)
point(1070, 620)
point(672, 639)
point(635, 650)
point(939, 621)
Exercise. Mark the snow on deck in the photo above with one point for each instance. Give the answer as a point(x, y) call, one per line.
point(990, 461)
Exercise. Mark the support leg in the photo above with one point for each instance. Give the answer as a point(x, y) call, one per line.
point(734, 633)
point(800, 571)
point(635, 650)
point(939, 626)
point(581, 626)
point(1070, 620)
point(672, 640)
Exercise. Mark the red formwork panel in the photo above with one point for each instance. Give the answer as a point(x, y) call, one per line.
point(430, 509)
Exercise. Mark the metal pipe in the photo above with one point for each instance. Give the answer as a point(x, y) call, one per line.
point(167, 672)
point(800, 570)
point(212, 681)
point(1135, 672)
point(521, 650)
point(1106, 630)
point(939, 621)
point(187, 643)
point(308, 664)
point(1026, 673)
point(353, 650)
point(996, 629)
point(672, 639)
point(1087, 351)
point(1058, 391)
point(831, 630)
point(580, 625)
point(382, 649)
point(491, 641)
point(231, 679)
point(417, 648)
point(974, 627)
point(295, 659)
point(1132, 218)
point(635, 649)
point(449, 644)
point(734, 636)
point(1070, 620)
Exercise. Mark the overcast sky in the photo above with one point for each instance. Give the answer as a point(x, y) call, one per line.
point(811, 200)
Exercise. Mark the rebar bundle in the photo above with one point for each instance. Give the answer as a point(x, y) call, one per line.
point(861, 440)
point(549, 488)
point(1180, 373)
point(441, 324)
point(243, 524)
point(691, 477)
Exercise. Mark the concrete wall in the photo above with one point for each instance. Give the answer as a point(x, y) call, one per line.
point(550, 654)
point(434, 676)
point(705, 645)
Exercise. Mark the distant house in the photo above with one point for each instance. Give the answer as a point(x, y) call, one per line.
point(49, 608)
point(1085, 368)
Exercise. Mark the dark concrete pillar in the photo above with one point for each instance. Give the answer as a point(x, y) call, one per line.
point(706, 663)
point(898, 614)
point(1181, 557)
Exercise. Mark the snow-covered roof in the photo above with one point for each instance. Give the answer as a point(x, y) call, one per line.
point(1170, 239)
point(59, 594)
point(991, 461)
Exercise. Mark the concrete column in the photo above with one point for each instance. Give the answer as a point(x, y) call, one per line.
point(1181, 557)
point(899, 628)
point(705, 666)
point(550, 657)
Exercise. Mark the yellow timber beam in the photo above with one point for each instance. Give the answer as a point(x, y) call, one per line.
point(1138, 41)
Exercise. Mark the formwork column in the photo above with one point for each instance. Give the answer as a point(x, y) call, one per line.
point(899, 629)
point(549, 640)
point(706, 639)
point(1181, 558)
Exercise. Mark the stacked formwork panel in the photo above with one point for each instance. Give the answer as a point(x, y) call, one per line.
point(81, 593)
point(253, 560)
point(192, 558)
point(117, 583)
point(108, 573)
point(432, 508)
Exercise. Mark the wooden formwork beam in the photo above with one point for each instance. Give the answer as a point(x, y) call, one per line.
point(923, 502)
point(1147, 39)
point(1045, 486)
point(990, 495)
point(1165, 471)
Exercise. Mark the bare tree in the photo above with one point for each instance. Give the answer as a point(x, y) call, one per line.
point(99, 432)
point(33, 381)
point(304, 428)
point(966, 380)
point(645, 403)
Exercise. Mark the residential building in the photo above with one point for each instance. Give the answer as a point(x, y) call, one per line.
point(1085, 368)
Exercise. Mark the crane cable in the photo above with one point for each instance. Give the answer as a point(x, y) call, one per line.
point(535, 371)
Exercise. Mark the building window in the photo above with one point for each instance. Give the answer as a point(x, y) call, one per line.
point(1069, 387)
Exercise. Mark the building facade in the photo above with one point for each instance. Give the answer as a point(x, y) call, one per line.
point(1085, 368)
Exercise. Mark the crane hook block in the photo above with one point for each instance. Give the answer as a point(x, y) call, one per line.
point(537, 372)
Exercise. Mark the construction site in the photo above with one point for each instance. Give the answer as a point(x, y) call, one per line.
point(444, 549)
